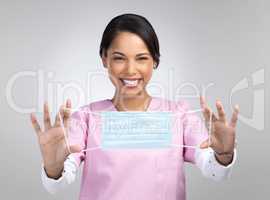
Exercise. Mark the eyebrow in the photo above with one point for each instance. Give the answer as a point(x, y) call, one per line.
point(117, 52)
point(140, 54)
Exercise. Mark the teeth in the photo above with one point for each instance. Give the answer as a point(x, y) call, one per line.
point(130, 82)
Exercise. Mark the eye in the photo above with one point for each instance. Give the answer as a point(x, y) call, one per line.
point(118, 58)
point(142, 58)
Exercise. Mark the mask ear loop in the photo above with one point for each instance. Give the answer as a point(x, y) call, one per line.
point(209, 137)
point(210, 129)
point(184, 146)
point(66, 139)
point(90, 149)
point(65, 134)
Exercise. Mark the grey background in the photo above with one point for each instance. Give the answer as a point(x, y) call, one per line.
point(219, 42)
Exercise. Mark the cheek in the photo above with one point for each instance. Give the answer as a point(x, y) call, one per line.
point(147, 73)
point(115, 68)
point(113, 75)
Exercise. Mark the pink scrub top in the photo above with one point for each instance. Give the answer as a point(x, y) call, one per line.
point(135, 174)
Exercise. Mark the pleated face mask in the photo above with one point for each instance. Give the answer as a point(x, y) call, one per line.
point(136, 129)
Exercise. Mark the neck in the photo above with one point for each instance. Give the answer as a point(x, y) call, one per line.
point(135, 103)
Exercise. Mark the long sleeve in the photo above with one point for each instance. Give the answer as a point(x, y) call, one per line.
point(206, 161)
point(68, 176)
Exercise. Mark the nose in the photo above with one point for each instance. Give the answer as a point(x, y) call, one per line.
point(131, 68)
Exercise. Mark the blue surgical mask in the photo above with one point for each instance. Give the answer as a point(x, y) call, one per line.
point(136, 129)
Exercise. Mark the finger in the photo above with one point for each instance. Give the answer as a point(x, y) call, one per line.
point(47, 119)
point(59, 117)
point(67, 113)
point(221, 112)
point(208, 114)
point(68, 103)
point(35, 124)
point(204, 110)
point(202, 101)
point(205, 144)
point(234, 116)
point(75, 148)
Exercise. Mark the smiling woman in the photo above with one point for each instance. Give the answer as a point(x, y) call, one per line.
point(130, 51)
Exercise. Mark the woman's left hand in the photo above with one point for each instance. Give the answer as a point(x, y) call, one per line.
point(222, 137)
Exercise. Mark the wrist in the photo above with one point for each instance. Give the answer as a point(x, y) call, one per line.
point(54, 172)
point(224, 158)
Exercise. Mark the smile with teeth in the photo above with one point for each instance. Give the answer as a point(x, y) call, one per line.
point(130, 83)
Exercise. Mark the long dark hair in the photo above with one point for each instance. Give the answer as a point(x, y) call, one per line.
point(132, 23)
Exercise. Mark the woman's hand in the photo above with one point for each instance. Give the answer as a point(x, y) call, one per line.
point(222, 137)
point(52, 140)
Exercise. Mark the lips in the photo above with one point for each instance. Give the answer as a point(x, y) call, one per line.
point(130, 82)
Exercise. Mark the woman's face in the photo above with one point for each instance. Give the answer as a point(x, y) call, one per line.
point(129, 64)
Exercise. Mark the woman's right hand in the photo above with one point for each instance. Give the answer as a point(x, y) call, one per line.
point(52, 140)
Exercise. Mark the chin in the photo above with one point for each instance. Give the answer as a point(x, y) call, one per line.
point(131, 94)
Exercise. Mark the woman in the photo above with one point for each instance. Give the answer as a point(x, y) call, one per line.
point(130, 52)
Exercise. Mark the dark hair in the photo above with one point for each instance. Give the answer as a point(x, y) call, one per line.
point(132, 23)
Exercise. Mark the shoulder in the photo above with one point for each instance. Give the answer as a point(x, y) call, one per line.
point(92, 107)
point(100, 105)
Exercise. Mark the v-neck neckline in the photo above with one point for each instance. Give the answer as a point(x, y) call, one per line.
point(149, 107)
